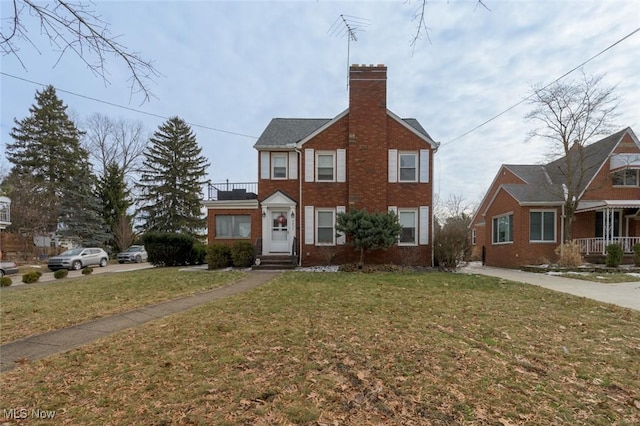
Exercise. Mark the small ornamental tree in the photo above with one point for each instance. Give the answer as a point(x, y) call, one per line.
point(369, 231)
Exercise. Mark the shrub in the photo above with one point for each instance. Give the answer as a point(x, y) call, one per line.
point(87, 271)
point(31, 277)
point(636, 254)
point(242, 254)
point(570, 254)
point(5, 281)
point(169, 249)
point(614, 255)
point(60, 273)
point(198, 253)
point(218, 256)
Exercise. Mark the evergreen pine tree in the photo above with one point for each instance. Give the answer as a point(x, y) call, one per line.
point(47, 148)
point(116, 197)
point(173, 174)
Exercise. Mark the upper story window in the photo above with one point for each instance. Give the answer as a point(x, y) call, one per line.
point(408, 165)
point(473, 236)
point(279, 165)
point(502, 229)
point(542, 226)
point(626, 177)
point(325, 166)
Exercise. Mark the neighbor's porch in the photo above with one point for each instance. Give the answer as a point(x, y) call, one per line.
point(589, 246)
point(618, 222)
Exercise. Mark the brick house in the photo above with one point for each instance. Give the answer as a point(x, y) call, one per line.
point(519, 221)
point(312, 169)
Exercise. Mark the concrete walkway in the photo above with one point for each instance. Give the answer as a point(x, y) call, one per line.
point(626, 295)
point(57, 341)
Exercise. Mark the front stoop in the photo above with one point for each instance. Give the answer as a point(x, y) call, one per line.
point(275, 262)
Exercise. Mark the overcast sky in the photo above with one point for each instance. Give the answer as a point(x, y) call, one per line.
point(235, 65)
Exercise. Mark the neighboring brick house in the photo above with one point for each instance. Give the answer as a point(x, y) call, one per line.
point(312, 169)
point(519, 221)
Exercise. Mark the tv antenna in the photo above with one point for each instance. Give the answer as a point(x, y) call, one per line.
point(348, 26)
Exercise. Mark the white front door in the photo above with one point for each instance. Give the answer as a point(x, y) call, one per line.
point(279, 232)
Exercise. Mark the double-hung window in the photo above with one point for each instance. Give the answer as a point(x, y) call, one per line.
point(233, 226)
point(409, 222)
point(325, 227)
point(279, 165)
point(502, 229)
point(542, 226)
point(325, 166)
point(408, 165)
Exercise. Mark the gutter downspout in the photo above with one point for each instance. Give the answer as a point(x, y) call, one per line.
point(300, 209)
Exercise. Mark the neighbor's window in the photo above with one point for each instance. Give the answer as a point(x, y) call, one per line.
point(626, 177)
point(409, 222)
point(542, 226)
point(473, 236)
point(325, 166)
point(325, 229)
point(278, 166)
point(502, 229)
point(408, 164)
point(233, 226)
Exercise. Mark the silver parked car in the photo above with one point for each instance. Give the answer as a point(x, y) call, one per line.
point(135, 254)
point(79, 258)
point(8, 268)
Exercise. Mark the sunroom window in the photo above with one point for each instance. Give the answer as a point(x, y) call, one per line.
point(502, 229)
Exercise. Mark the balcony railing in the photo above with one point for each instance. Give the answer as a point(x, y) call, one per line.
point(599, 245)
point(233, 191)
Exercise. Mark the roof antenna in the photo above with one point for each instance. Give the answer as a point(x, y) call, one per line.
point(347, 25)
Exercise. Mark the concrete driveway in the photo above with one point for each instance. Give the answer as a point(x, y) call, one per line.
point(626, 295)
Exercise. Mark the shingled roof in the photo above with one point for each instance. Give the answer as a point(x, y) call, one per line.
point(285, 132)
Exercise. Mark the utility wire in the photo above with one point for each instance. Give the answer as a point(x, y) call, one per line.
point(530, 96)
point(126, 107)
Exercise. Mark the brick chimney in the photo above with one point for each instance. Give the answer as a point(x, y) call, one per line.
point(367, 136)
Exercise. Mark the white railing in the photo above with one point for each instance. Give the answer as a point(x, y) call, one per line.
point(598, 245)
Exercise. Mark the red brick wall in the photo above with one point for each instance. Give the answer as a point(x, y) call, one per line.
point(256, 225)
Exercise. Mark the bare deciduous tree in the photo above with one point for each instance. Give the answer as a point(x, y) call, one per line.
point(570, 116)
point(123, 235)
point(75, 27)
point(120, 142)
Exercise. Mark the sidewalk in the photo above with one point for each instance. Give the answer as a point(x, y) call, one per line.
point(626, 295)
point(57, 341)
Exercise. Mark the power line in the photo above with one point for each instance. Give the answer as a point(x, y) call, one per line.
point(530, 96)
point(126, 107)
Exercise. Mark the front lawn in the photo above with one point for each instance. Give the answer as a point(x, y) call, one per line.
point(355, 349)
point(35, 309)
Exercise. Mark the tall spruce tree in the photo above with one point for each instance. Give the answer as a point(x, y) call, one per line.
point(173, 174)
point(46, 148)
point(116, 198)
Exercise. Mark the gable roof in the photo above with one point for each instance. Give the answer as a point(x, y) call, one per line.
point(543, 184)
point(285, 133)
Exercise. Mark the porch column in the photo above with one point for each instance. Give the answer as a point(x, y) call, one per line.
point(607, 228)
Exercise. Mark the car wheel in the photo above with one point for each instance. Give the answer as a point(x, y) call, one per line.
point(121, 261)
point(138, 259)
point(103, 262)
point(1, 273)
point(76, 266)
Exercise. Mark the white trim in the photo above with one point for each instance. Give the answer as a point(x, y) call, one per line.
point(230, 204)
point(555, 225)
point(333, 165)
point(321, 129)
point(284, 156)
point(415, 226)
point(425, 138)
point(492, 228)
point(309, 158)
point(265, 165)
point(333, 226)
point(414, 154)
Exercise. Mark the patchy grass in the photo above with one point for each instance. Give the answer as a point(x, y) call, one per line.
point(365, 349)
point(32, 310)
point(602, 277)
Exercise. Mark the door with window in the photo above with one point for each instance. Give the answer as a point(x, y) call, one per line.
point(279, 232)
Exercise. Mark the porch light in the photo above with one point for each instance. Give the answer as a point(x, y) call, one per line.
point(293, 214)
point(264, 214)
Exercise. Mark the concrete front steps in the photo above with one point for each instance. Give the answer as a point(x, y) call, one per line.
point(274, 262)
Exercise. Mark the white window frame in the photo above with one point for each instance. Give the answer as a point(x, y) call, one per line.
point(233, 227)
point(333, 165)
point(624, 183)
point(416, 167)
point(333, 226)
point(473, 236)
point(495, 221)
point(415, 227)
point(285, 157)
point(543, 213)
